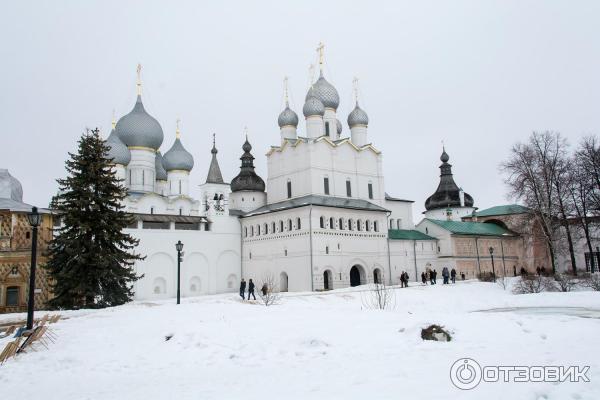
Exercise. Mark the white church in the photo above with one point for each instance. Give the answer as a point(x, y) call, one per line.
point(322, 220)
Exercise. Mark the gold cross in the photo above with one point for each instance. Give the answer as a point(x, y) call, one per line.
point(285, 90)
point(355, 88)
point(177, 133)
point(139, 79)
point(320, 49)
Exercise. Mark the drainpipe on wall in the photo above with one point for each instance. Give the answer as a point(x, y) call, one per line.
point(310, 230)
point(388, 249)
point(503, 263)
point(415, 252)
point(477, 249)
point(241, 249)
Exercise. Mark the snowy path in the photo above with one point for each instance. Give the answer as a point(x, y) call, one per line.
point(313, 345)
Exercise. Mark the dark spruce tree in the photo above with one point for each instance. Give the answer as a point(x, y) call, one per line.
point(91, 259)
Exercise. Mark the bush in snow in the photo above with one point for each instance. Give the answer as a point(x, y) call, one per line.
point(269, 291)
point(562, 282)
point(591, 281)
point(530, 284)
point(485, 277)
point(435, 332)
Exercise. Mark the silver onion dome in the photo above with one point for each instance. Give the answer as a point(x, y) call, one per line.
point(287, 117)
point(178, 158)
point(313, 106)
point(10, 187)
point(325, 92)
point(118, 152)
point(358, 117)
point(159, 166)
point(339, 127)
point(140, 129)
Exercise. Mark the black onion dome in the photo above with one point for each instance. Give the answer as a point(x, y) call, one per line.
point(448, 193)
point(139, 129)
point(247, 179)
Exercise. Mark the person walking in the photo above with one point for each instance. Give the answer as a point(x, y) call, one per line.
point(462, 276)
point(423, 278)
point(430, 277)
point(434, 277)
point(445, 275)
point(406, 279)
point(243, 289)
point(264, 289)
point(251, 289)
point(402, 279)
point(453, 275)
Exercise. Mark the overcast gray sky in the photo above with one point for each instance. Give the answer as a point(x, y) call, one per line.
point(479, 75)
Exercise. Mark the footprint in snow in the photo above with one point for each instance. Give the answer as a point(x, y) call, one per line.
point(543, 336)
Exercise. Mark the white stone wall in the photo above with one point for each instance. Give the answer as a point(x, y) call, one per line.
point(140, 171)
point(457, 213)
point(336, 250)
point(359, 135)
point(247, 200)
point(178, 183)
point(403, 254)
point(401, 216)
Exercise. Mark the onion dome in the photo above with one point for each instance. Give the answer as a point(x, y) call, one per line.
point(10, 187)
point(339, 127)
point(448, 193)
point(312, 107)
point(178, 158)
point(140, 129)
point(159, 166)
point(118, 152)
point(358, 117)
point(287, 117)
point(325, 92)
point(247, 179)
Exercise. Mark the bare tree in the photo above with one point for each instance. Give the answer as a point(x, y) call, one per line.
point(269, 290)
point(531, 171)
point(379, 296)
point(502, 281)
point(592, 281)
point(588, 154)
point(562, 182)
point(562, 282)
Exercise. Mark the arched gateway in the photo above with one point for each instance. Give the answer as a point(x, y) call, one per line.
point(357, 276)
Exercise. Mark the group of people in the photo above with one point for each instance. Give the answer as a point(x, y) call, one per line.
point(447, 275)
point(404, 279)
point(251, 286)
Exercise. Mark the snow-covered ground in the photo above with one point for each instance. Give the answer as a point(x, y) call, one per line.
point(323, 346)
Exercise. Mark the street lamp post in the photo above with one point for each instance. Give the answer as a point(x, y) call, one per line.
point(493, 268)
point(34, 219)
point(179, 247)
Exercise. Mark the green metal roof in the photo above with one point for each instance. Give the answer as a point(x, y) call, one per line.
point(408, 234)
point(503, 210)
point(472, 228)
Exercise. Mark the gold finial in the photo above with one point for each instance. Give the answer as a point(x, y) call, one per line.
point(139, 79)
point(177, 133)
point(246, 132)
point(285, 90)
point(355, 89)
point(214, 139)
point(114, 119)
point(321, 49)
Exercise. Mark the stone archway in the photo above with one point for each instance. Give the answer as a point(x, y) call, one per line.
point(377, 276)
point(357, 276)
point(327, 280)
point(283, 282)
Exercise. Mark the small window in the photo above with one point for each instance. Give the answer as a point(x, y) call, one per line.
point(289, 189)
point(326, 185)
point(391, 224)
point(368, 226)
point(280, 226)
point(143, 178)
point(257, 230)
point(375, 226)
point(27, 235)
point(245, 231)
point(289, 224)
point(273, 229)
point(151, 210)
point(179, 187)
point(326, 128)
point(285, 252)
point(350, 224)
point(266, 229)
point(298, 224)
point(181, 211)
point(326, 249)
point(370, 191)
point(322, 222)
point(252, 230)
point(348, 188)
point(250, 255)
point(359, 225)
point(331, 223)
point(341, 224)
point(12, 296)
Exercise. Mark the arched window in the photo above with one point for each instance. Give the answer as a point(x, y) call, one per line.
point(331, 223)
point(358, 225)
point(368, 226)
point(257, 230)
point(252, 230)
point(399, 223)
point(341, 224)
point(322, 222)
point(280, 226)
point(350, 224)
point(273, 227)
point(391, 224)
point(298, 223)
point(245, 231)
point(375, 226)
point(265, 229)
point(326, 249)
point(289, 224)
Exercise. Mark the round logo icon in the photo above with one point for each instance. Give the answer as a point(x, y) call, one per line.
point(465, 373)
